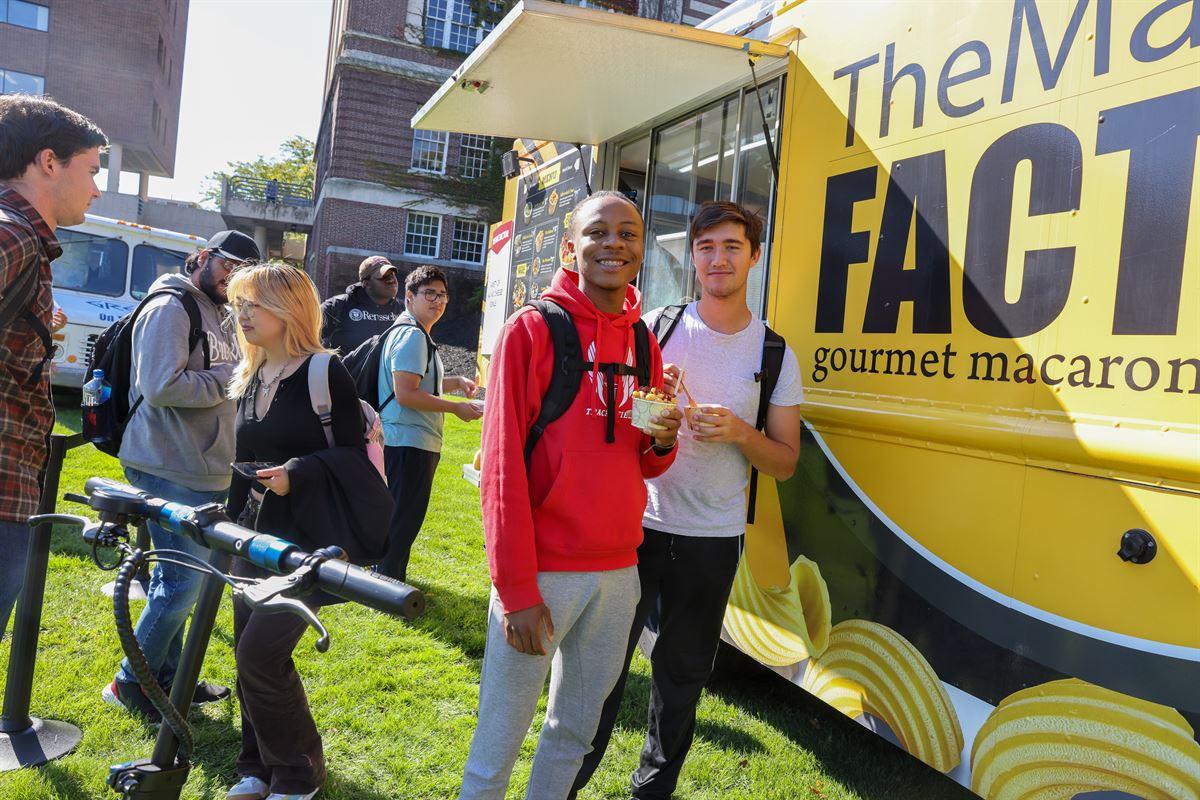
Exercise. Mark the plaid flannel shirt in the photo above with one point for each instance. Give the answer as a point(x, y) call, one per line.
point(26, 410)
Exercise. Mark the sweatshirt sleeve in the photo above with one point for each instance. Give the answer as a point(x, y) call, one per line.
point(513, 404)
point(160, 358)
point(330, 320)
point(653, 464)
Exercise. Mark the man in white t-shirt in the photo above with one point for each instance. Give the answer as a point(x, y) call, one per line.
point(696, 513)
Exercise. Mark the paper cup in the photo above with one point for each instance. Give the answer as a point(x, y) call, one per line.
point(646, 411)
point(689, 413)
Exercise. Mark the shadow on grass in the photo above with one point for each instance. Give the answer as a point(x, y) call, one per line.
point(455, 617)
point(64, 782)
point(849, 753)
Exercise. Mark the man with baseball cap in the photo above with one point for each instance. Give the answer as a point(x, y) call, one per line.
point(367, 307)
point(233, 246)
point(180, 384)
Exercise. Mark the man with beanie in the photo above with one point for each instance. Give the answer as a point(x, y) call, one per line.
point(179, 441)
point(367, 308)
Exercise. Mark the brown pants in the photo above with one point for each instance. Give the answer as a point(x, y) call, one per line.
point(280, 742)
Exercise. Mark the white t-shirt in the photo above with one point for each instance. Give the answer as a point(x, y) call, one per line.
point(704, 491)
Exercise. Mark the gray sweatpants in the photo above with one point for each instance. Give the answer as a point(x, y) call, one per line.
point(592, 613)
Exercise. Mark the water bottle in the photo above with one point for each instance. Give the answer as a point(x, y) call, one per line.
point(96, 408)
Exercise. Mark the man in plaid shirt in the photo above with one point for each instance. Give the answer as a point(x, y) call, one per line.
point(49, 157)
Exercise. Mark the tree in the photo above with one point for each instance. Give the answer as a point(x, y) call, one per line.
point(293, 164)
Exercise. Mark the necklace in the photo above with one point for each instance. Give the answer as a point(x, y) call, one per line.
point(268, 387)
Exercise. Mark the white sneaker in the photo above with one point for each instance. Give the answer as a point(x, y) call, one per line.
point(308, 796)
point(249, 789)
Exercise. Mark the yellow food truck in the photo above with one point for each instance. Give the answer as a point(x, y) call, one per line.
point(984, 246)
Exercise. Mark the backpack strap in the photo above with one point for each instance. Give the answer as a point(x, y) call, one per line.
point(318, 393)
point(569, 367)
point(641, 354)
point(196, 334)
point(774, 348)
point(430, 349)
point(14, 304)
point(664, 324)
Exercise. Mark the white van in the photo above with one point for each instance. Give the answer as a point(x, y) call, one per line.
point(106, 267)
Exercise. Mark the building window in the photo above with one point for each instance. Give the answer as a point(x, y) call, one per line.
point(468, 241)
point(450, 25)
point(162, 53)
point(429, 151)
point(474, 155)
point(13, 82)
point(422, 233)
point(27, 15)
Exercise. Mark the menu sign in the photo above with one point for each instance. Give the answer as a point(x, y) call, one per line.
point(545, 200)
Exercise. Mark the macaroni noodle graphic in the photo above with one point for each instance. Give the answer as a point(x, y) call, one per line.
point(780, 627)
point(869, 668)
point(1060, 739)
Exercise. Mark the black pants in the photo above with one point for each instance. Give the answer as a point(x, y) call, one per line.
point(410, 478)
point(280, 742)
point(687, 579)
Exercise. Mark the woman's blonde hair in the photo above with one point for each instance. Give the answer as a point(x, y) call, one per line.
point(289, 294)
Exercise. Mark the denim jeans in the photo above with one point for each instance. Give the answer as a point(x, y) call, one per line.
point(173, 589)
point(14, 543)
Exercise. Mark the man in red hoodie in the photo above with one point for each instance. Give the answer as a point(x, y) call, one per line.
point(563, 530)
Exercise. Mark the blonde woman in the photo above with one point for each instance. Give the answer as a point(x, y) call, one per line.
point(310, 493)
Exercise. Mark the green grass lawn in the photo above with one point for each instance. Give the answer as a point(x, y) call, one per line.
point(396, 701)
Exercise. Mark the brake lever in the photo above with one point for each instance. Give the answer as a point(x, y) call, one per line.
point(274, 595)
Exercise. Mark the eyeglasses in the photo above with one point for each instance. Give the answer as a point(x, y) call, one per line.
point(246, 307)
point(228, 264)
point(434, 296)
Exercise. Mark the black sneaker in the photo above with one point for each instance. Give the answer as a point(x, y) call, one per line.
point(209, 693)
point(129, 696)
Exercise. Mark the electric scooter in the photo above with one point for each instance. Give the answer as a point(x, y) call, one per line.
point(295, 573)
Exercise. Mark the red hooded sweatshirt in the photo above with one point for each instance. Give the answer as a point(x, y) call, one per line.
point(579, 506)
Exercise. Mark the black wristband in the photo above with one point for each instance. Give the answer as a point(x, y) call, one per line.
point(662, 451)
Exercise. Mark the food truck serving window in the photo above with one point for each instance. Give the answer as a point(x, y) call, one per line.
point(716, 153)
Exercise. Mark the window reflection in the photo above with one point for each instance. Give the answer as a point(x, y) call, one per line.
point(718, 153)
point(149, 264)
point(89, 263)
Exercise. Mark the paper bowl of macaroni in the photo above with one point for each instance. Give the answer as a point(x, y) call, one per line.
point(648, 406)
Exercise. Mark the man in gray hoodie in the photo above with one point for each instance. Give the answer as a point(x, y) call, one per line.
point(179, 442)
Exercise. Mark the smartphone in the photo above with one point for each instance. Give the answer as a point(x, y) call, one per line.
point(249, 469)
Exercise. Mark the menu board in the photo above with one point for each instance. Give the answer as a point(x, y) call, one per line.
point(545, 200)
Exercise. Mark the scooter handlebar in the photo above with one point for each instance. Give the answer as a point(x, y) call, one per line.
point(338, 578)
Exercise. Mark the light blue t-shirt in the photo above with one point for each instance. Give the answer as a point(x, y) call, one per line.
point(406, 350)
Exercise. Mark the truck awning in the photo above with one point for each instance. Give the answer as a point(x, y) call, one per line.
point(562, 73)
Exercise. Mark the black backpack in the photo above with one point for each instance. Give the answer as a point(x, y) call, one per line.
point(113, 353)
point(774, 347)
point(16, 299)
point(569, 367)
point(363, 363)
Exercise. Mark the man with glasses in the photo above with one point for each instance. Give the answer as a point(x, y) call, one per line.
point(179, 440)
point(367, 308)
point(411, 370)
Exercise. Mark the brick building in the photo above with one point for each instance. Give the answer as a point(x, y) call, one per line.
point(118, 62)
point(419, 198)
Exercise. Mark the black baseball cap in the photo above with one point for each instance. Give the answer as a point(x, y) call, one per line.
point(234, 245)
